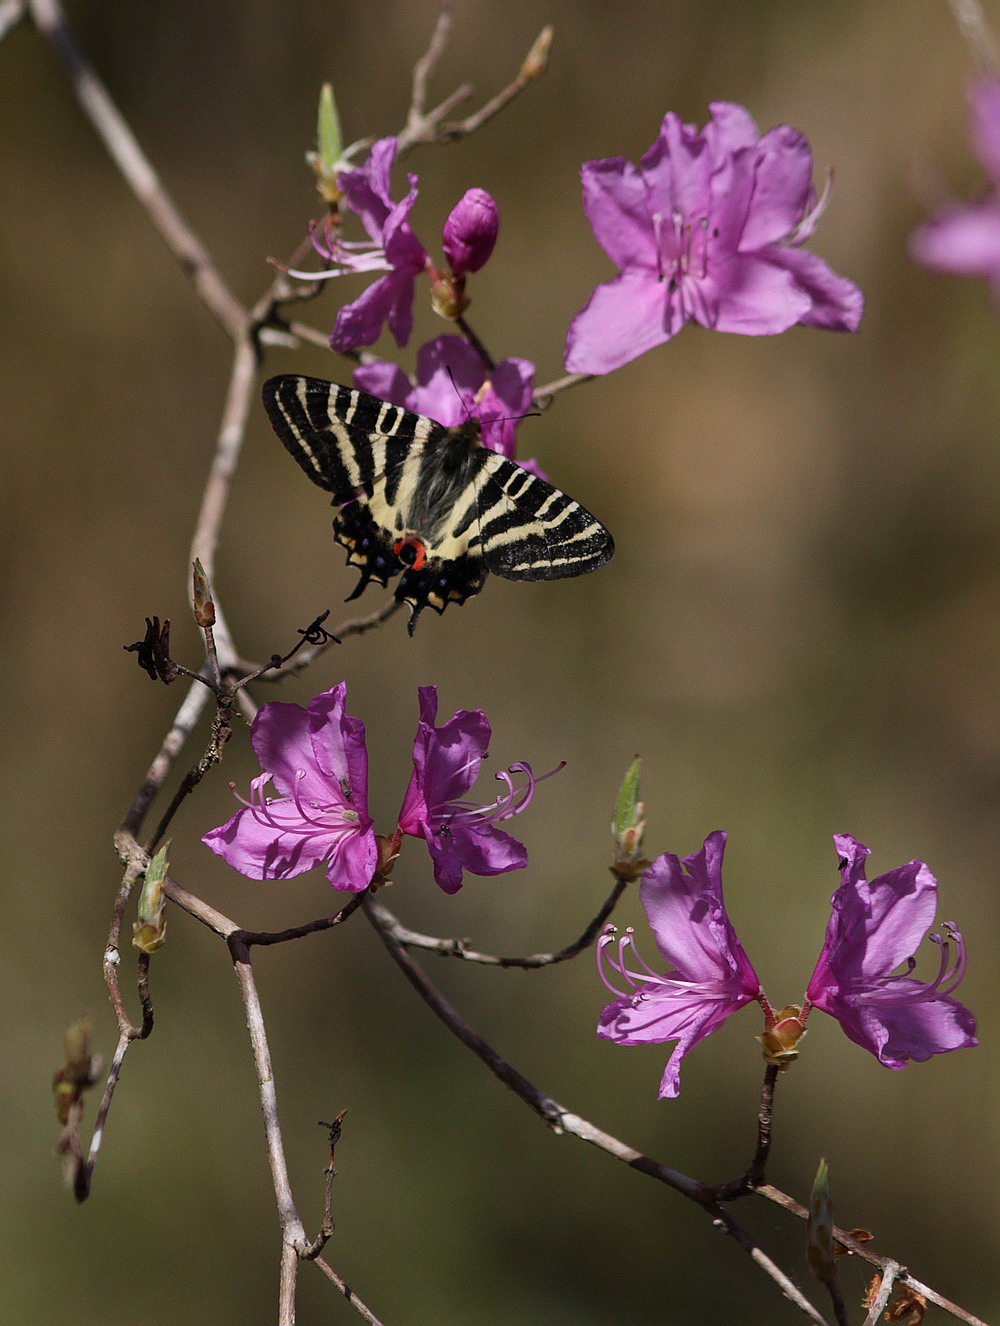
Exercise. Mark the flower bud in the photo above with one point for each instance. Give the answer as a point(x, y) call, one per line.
point(150, 931)
point(329, 148)
point(780, 1040)
point(388, 851)
point(204, 605)
point(470, 232)
point(538, 57)
point(80, 1071)
point(448, 296)
point(628, 825)
point(819, 1227)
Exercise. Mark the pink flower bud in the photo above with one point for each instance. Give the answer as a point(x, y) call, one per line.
point(470, 232)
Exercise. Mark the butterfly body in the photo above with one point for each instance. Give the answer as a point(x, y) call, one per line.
point(428, 503)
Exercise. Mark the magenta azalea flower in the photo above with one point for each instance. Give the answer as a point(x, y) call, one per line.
point(460, 835)
point(317, 761)
point(874, 929)
point(706, 229)
point(965, 239)
point(452, 387)
point(710, 978)
point(391, 247)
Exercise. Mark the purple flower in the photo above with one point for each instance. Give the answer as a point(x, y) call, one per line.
point(874, 929)
point(391, 247)
point(710, 978)
point(452, 387)
point(317, 761)
point(470, 232)
point(706, 229)
point(965, 239)
point(460, 835)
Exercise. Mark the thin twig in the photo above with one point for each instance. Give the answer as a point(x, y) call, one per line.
point(353, 626)
point(424, 66)
point(863, 1251)
point(220, 477)
point(344, 1288)
point(187, 716)
point(974, 28)
point(130, 159)
point(291, 1225)
point(424, 126)
point(128, 1031)
point(485, 358)
point(889, 1274)
point(544, 396)
point(262, 938)
point(562, 1120)
point(12, 12)
point(458, 948)
point(222, 730)
point(754, 1176)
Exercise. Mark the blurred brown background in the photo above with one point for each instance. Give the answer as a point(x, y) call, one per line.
point(799, 634)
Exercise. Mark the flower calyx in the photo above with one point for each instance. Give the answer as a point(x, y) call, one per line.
point(779, 1039)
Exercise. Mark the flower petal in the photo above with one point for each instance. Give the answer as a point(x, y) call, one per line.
point(898, 1024)
point(782, 185)
point(483, 850)
point(385, 380)
point(338, 743)
point(677, 169)
point(620, 321)
point(353, 861)
point(962, 240)
point(679, 1013)
point(756, 296)
point(684, 905)
point(360, 322)
point(280, 737)
point(836, 304)
point(366, 188)
point(615, 204)
point(263, 851)
point(730, 129)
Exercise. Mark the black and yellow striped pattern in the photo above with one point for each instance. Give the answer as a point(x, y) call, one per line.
point(428, 503)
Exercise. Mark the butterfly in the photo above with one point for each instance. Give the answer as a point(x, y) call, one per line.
point(428, 503)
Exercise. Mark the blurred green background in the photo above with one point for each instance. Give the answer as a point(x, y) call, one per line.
point(799, 634)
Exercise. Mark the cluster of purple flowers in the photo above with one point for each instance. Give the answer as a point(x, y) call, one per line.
point(708, 228)
point(874, 928)
point(315, 759)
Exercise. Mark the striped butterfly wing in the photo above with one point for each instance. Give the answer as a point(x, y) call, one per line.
point(531, 530)
point(426, 502)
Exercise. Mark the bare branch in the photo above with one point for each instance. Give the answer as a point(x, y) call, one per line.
point(130, 159)
point(889, 1274)
point(544, 396)
point(974, 28)
point(227, 453)
point(424, 126)
point(863, 1251)
point(754, 1176)
point(422, 69)
point(353, 626)
point(344, 1288)
point(458, 948)
point(12, 12)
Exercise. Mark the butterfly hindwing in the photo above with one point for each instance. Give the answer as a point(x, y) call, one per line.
point(425, 502)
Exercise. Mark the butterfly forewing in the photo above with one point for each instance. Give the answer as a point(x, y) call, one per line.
point(425, 502)
point(531, 530)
